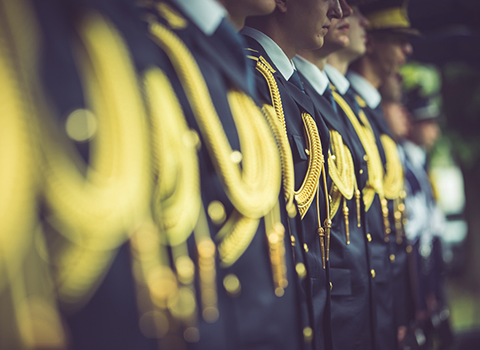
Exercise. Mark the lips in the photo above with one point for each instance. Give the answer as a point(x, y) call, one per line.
point(345, 26)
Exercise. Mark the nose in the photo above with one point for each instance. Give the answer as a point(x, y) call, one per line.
point(346, 9)
point(335, 10)
point(364, 22)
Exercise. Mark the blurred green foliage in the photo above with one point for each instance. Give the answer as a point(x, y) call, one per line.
point(457, 90)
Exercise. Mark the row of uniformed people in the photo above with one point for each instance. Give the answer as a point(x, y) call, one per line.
point(168, 209)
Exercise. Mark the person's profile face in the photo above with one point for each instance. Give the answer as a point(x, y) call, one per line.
point(389, 50)
point(311, 20)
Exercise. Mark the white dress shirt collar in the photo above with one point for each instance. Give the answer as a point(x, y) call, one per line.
point(365, 89)
point(206, 14)
point(274, 52)
point(317, 78)
point(338, 79)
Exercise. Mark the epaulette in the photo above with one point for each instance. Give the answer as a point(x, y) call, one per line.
point(254, 55)
point(164, 11)
point(361, 102)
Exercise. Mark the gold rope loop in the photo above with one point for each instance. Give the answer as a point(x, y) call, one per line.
point(252, 191)
point(374, 162)
point(177, 199)
point(394, 179)
point(96, 212)
point(306, 193)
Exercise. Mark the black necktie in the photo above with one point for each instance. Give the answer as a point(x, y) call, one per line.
point(353, 101)
point(295, 80)
point(328, 94)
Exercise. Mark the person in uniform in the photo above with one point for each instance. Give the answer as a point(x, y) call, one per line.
point(272, 42)
point(426, 222)
point(151, 166)
point(351, 274)
point(387, 49)
point(257, 277)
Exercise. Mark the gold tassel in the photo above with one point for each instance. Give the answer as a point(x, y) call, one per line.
point(357, 199)
point(345, 215)
point(386, 222)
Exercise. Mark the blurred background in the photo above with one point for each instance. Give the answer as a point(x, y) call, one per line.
point(446, 64)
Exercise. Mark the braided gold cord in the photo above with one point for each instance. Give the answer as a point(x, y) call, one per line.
point(95, 213)
point(306, 193)
point(177, 196)
point(374, 163)
point(340, 165)
point(240, 231)
point(285, 158)
point(18, 186)
point(393, 181)
point(252, 198)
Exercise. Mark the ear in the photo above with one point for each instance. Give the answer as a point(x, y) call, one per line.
point(281, 5)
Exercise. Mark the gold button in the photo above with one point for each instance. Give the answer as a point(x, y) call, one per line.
point(216, 211)
point(236, 157)
point(307, 334)
point(365, 157)
point(81, 125)
point(232, 285)
point(301, 270)
point(392, 257)
point(307, 152)
point(361, 171)
point(333, 157)
point(386, 239)
point(305, 247)
point(372, 271)
point(369, 237)
point(331, 285)
point(399, 240)
point(409, 249)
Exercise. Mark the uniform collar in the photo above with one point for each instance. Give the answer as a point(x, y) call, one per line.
point(338, 79)
point(365, 89)
point(317, 78)
point(416, 154)
point(206, 14)
point(274, 52)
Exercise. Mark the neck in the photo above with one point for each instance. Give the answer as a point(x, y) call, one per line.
point(314, 57)
point(336, 61)
point(272, 26)
point(237, 22)
point(365, 68)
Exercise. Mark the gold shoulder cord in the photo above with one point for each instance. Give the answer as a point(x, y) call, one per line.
point(96, 213)
point(252, 188)
point(28, 310)
point(177, 198)
point(306, 193)
point(374, 162)
point(393, 181)
point(311, 183)
point(342, 172)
